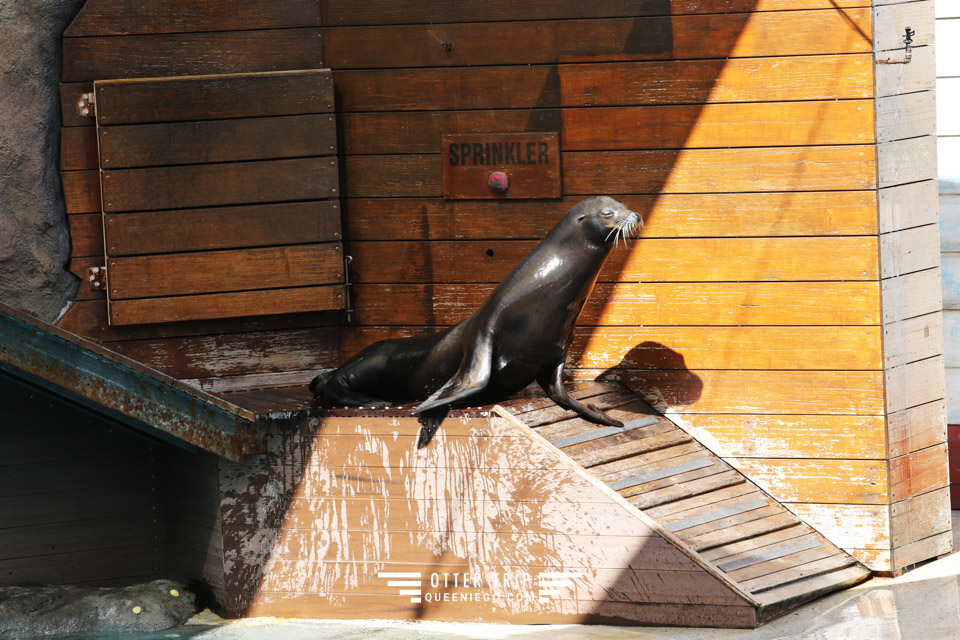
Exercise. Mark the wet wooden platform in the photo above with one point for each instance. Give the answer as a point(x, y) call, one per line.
point(701, 503)
point(712, 508)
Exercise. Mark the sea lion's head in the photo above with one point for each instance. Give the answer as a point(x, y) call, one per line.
point(604, 220)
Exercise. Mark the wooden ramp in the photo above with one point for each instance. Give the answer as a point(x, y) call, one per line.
point(709, 506)
point(657, 529)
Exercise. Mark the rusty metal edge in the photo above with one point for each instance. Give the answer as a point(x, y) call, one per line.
point(77, 367)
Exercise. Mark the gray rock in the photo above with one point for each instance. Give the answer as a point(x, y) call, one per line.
point(34, 236)
point(27, 612)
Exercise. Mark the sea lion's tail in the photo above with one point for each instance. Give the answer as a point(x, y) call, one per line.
point(318, 383)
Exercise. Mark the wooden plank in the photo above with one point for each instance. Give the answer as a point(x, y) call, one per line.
point(81, 191)
point(790, 436)
point(702, 504)
point(701, 347)
point(89, 319)
point(747, 548)
point(782, 598)
point(682, 82)
point(733, 35)
point(235, 354)
point(693, 533)
point(907, 341)
point(913, 295)
point(61, 507)
point(78, 148)
point(226, 305)
point(86, 235)
point(189, 54)
point(220, 271)
point(910, 250)
point(616, 172)
point(919, 517)
point(903, 161)
point(836, 481)
point(726, 348)
point(750, 575)
point(910, 205)
point(624, 468)
point(916, 428)
point(219, 184)
point(243, 95)
point(615, 451)
point(742, 531)
point(759, 392)
point(906, 116)
point(689, 487)
point(890, 21)
point(914, 384)
point(722, 170)
point(891, 80)
point(136, 563)
point(639, 555)
point(720, 125)
point(850, 526)
point(699, 304)
point(343, 12)
point(217, 141)
point(665, 216)
point(126, 17)
point(350, 606)
point(825, 566)
point(918, 472)
point(635, 83)
point(222, 228)
point(84, 535)
point(650, 260)
point(926, 549)
point(456, 515)
point(419, 131)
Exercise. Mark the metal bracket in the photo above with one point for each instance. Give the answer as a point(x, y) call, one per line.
point(87, 105)
point(97, 278)
point(347, 260)
point(908, 34)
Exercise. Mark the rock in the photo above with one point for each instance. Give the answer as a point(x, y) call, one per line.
point(34, 236)
point(49, 610)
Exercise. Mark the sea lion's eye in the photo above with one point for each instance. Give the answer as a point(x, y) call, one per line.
point(606, 213)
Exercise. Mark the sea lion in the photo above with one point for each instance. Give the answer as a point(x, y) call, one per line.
point(520, 334)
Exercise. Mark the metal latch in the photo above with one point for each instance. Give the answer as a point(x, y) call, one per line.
point(86, 105)
point(97, 278)
point(347, 261)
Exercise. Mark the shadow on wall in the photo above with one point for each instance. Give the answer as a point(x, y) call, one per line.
point(670, 382)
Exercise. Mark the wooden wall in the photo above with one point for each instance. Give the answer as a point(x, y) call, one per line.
point(81, 502)
point(780, 303)
point(948, 147)
point(783, 302)
point(112, 39)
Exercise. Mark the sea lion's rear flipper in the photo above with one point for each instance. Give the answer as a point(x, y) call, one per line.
point(472, 377)
point(429, 423)
point(552, 382)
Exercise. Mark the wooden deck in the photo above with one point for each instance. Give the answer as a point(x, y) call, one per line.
point(699, 502)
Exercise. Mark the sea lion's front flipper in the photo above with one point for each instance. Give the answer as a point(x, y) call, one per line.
point(472, 377)
point(552, 382)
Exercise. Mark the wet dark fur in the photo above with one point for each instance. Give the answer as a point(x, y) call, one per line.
point(520, 334)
